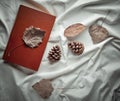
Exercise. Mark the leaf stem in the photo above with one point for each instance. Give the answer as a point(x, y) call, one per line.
point(108, 12)
point(14, 49)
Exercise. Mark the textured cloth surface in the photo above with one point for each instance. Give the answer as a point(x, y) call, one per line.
point(92, 76)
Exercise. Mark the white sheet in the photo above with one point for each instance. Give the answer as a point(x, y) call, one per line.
point(91, 76)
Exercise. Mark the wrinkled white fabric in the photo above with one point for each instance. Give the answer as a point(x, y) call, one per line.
point(91, 76)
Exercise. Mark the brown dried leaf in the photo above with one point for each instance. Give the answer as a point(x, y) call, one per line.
point(44, 88)
point(33, 36)
point(74, 30)
point(98, 33)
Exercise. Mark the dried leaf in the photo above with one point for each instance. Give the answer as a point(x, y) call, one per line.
point(33, 36)
point(44, 88)
point(98, 33)
point(74, 30)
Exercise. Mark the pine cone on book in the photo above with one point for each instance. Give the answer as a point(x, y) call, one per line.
point(54, 54)
point(76, 47)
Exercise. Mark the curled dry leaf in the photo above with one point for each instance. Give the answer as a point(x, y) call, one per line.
point(44, 88)
point(74, 30)
point(98, 33)
point(33, 36)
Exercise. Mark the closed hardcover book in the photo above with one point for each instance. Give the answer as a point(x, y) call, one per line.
point(17, 51)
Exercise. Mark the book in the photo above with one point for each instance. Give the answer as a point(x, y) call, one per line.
point(16, 51)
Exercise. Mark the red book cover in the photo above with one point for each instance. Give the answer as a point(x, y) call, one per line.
point(16, 51)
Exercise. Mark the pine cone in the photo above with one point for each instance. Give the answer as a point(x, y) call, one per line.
point(54, 54)
point(76, 47)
